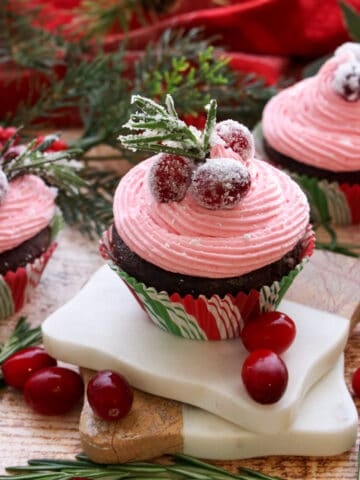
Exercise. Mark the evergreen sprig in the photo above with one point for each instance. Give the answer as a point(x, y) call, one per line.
point(93, 211)
point(23, 336)
point(182, 467)
point(24, 44)
point(56, 168)
point(155, 128)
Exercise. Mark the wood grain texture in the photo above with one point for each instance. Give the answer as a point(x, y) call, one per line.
point(329, 281)
point(153, 427)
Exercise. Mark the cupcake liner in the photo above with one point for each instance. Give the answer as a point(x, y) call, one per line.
point(330, 202)
point(16, 288)
point(202, 318)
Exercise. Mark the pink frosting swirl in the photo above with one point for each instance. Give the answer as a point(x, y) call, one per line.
point(311, 123)
point(29, 207)
point(183, 237)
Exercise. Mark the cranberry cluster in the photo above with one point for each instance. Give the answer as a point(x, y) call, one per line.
point(264, 373)
point(48, 389)
point(218, 183)
point(53, 390)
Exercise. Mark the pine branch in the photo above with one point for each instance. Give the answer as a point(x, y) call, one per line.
point(56, 168)
point(91, 211)
point(24, 44)
point(23, 336)
point(155, 128)
point(182, 467)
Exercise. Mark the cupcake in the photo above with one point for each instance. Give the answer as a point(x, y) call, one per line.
point(205, 235)
point(29, 217)
point(312, 130)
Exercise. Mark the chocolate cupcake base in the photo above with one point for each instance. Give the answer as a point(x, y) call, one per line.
point(350, 178)
point(25, 253)
point(21, 268)
point(201, 317)
point(171, 282)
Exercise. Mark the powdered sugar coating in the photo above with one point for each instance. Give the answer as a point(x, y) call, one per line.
point(4, 185)
point(346, 48)
point(312, 124)
point(170, 177)
point(236, 136)
point(347, 80)
point(220, 183)
point(183, 237)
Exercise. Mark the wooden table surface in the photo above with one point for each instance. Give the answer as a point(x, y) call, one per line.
point(329, 281)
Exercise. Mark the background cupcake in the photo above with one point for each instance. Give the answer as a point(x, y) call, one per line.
point(312, 129)
point(205, 235)
point(29, 218)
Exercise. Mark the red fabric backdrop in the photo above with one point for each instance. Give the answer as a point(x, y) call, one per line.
point(263, 36)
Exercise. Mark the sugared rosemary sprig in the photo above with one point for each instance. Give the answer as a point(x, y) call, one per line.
point(23, 336)
point(155, 128)
point(58, 169)
point(182, 467)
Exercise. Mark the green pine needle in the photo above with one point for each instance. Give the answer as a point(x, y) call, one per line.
point(155, 128)
point(352, 20)
point(56, 168)
point(182, 467)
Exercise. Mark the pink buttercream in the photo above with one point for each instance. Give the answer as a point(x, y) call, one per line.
point(311, 123)
point(185, 238)
point(29, 207)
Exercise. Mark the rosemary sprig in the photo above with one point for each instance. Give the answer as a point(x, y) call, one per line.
point(155, 128)
point(23, 336)
point(56, 168)
point(182, 467)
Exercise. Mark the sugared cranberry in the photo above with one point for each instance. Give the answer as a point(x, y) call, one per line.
point(355, 382)
point(271, 330)
point(53, 390)
point(265, 376)
point(170, 177)
point(109, 395)
point(237, 137)
point(220, 183)
point(21, 365)
point(347, 81)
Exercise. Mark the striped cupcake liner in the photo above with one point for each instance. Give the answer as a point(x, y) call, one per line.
point(16, 288)
point(202, 318)
point(331, 202)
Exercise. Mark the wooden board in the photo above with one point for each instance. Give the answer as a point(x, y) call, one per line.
point(156, 426)
point(330, 282)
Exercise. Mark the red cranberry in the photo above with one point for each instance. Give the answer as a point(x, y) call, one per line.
point(237, 137)
point(170, 177)
point(355, 382)
point(53, 390)
point(109, 395)
point(265, 376)
point(271, 330)
point(220, 183)
point(21, 365)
